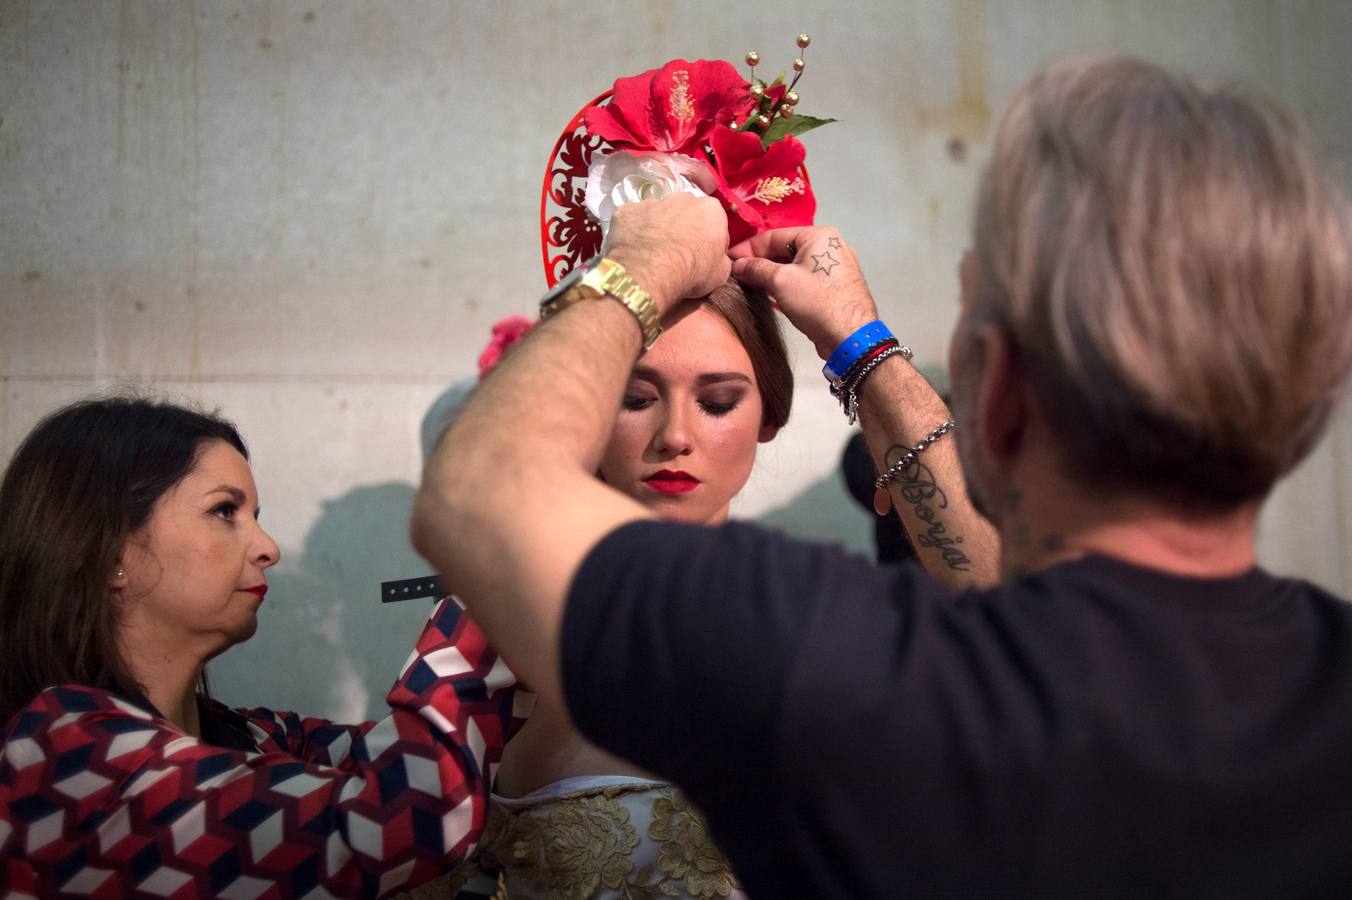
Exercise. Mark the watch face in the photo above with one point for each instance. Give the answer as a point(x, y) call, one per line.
point(568, 282)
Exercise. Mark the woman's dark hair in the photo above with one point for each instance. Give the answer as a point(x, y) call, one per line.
point(83, 481)
point(753, 320)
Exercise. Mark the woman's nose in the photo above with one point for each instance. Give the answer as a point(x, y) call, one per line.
point(266, 551)
point(673, 435)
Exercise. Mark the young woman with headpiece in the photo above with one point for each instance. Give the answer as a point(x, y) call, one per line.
point(569, 819)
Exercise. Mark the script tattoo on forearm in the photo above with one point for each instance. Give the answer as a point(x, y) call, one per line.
point(824, 262)
point(919, 488)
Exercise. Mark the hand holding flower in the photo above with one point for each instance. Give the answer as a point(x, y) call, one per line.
point(622, 177)
point(675, 248)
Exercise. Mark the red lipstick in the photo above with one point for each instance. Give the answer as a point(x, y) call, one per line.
point(668, 482)
point(261, 590)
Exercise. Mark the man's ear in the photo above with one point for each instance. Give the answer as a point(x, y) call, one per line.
point(1002, 401)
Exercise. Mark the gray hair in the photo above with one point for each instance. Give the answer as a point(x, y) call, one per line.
point(1174, 270)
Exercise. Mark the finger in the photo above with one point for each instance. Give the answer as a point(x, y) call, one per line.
point(717, 277)
point(757, 272)
point(703, 178)
point(774, 244)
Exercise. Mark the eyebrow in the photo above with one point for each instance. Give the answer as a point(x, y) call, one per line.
point(650, 374)
point(236, 494)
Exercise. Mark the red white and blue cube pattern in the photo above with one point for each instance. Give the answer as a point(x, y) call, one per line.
point(99, 797)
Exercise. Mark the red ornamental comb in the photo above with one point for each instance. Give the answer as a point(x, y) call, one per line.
point(568, 233)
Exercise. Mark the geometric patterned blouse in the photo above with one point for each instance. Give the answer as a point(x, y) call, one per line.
point(101, 796)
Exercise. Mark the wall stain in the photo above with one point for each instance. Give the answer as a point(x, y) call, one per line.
point(309, 16)
point(32, 275)
point(936, 212)
point(968, 116)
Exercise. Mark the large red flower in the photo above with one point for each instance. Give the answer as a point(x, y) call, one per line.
point(670, 109)
point(761, 188)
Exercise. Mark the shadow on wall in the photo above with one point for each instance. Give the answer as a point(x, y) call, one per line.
point(325, 644)
point(825, 512)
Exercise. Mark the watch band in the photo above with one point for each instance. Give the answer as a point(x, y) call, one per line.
point(611, 278)
point(600, 278)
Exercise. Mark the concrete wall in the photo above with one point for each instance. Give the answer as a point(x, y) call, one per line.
point(308, 214)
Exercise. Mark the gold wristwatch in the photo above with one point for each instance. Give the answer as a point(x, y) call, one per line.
point(603, 277)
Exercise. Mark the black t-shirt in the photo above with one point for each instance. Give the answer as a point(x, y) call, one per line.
point(1096, 728)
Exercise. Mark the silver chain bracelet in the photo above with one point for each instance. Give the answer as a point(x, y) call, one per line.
point(847, 393)
point(895, 470)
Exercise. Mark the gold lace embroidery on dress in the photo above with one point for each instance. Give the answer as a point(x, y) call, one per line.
point(573, 846)
point(687, 852)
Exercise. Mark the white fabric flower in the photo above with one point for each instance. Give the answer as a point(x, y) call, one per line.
point(619, 178)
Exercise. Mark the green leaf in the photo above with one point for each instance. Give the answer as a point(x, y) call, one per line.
point(794, 125)
point(779, 79)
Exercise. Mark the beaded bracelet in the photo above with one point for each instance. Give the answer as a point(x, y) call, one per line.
point(882, 501)
point(839, 386)
point(848, 396)
point(864, 360)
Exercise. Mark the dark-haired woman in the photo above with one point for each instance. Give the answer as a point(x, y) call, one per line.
point(130, 554)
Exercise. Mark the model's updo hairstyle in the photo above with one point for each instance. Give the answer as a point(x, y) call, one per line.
point(84, 480)
point(748, 312)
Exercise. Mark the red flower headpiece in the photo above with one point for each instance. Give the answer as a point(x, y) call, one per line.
point(688, 126)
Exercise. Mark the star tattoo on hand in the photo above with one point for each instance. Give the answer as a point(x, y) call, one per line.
point(824, 262)
point(834, 243)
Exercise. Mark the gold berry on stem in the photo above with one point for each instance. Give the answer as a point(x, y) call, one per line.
point(803, 40)
point(763, 120)
point(757, 90)
point(799, 65)
point(752, 58)
point(786, 110)
point(791, 98)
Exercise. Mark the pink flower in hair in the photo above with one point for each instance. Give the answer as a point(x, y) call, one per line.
point(506, 332)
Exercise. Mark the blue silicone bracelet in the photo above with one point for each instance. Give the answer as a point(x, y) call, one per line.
point(854, 347)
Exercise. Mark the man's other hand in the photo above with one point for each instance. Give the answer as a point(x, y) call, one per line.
point(815, 278)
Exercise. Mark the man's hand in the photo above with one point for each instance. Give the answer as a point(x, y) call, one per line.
point(674, 248)
point(814, 276)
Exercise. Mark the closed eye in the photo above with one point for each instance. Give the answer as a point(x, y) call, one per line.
point(636, 404)
point(717, 409)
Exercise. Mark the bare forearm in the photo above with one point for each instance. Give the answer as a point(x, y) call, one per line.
point(509, 503)
point(955, 543)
